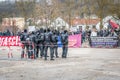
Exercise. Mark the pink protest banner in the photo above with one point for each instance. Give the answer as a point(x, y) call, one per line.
point(74, 41)
point(10, 41)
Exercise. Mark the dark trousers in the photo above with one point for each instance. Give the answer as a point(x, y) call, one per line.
point(64, 51)
point(55, 50)
point(41, 50)
point(51, 51)
point(37, 50)
point(48, 45)
point(118, 42)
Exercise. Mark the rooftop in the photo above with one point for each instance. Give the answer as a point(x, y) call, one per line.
point(85, 21)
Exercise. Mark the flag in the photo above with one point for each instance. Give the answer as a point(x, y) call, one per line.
point(113, 24)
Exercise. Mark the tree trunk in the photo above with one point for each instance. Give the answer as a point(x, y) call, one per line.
point(101, 24)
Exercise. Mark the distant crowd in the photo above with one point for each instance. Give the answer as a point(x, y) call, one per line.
point(6, 33)
point(101, 33)
point(85, 34)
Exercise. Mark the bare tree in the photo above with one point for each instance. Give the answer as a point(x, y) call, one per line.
point(114, 8)
point(101, 8)
point(25, 7)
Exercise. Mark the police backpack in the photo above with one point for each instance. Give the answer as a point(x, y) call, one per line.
point(54, 38)
point(41, 37)
point(47, 37)
point(23, 37)
point(64, 38)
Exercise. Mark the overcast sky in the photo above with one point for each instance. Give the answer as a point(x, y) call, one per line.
point(6, 0)
point(2, 0)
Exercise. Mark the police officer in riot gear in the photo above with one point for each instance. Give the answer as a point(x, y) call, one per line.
point(47, 44)
point(32, 45)
point(64, 39)
point(37, 43)
point(54, 39)
point(41, 40)
point(23, 37)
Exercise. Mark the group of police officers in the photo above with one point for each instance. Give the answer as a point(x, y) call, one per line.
point(39, 42)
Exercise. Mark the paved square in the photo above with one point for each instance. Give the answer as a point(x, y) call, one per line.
point(81, 64)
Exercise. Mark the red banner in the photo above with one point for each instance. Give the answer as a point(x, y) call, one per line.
point(10, 41)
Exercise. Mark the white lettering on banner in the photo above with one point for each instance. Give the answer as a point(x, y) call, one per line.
point(10, 41)
point(5, 42)
point(17, 40)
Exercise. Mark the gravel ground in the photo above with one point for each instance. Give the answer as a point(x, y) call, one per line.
point(81, 64)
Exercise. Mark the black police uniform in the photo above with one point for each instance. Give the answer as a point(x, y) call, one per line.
point(47, 44)
point(42, 44)
point(23, 37)
point(64, 38)
point(32, 53)
point(37, 43)
point(54, 46)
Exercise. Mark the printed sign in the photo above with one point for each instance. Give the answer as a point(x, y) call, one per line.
point(104, 41)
